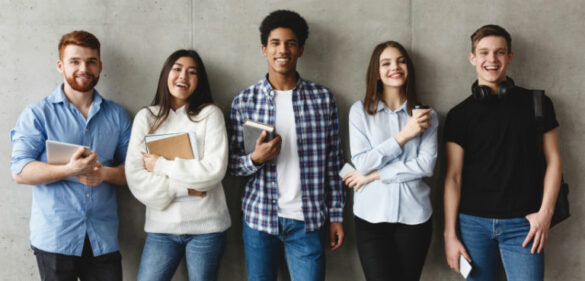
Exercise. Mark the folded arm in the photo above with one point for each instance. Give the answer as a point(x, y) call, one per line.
point(204, 173)
point(153, 190)
point(420, 166)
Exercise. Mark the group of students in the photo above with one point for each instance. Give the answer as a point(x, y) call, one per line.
point(293, 194)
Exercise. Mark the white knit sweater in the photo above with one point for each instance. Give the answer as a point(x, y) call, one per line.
point(171, 178)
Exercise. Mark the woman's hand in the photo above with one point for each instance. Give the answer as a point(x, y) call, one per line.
point(355, 180)
point(417, 124)
point(149, 161)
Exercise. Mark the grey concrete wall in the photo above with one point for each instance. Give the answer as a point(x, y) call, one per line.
point(138, 35)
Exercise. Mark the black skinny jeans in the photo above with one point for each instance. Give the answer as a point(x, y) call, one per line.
point(392, 251)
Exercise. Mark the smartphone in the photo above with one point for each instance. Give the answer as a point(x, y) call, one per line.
point(464, 266)
point(347, 168)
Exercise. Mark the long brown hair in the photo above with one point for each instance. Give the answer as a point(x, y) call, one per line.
point(374, 86)
point(200, 98)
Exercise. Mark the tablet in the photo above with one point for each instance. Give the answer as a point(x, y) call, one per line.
point(60, 152)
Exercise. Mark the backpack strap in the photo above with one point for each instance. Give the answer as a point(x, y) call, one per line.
point(538, 116)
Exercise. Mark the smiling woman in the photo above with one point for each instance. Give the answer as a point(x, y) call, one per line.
point(182, 81)
point(393, 147)
point(186, 212)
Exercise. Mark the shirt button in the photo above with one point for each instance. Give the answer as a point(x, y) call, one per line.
point(87, 195)
point(274, 201)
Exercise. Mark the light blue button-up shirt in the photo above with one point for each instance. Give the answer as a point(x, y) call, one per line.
point(63, 212)
point(399, 196)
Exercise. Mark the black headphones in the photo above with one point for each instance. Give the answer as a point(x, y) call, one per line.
point(484, 93)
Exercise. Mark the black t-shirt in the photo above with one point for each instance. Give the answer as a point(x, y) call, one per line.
point(501, 175)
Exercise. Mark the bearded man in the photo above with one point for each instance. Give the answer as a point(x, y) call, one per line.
point(74, 221)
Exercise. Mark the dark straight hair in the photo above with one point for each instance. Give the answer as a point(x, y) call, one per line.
point(374, 86)
point(200, 98)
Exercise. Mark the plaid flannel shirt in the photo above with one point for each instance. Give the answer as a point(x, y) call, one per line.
point(320, 155)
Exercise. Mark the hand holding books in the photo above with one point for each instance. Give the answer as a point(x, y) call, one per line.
point(261, 141)
point(266, 151)
point(171, 146)
point(149, 161)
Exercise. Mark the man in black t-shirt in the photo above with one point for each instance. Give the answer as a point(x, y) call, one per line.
point(494, 184)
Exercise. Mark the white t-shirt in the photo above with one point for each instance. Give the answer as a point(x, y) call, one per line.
point(288, 173)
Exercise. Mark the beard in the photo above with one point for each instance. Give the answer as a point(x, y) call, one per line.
point(82, 87)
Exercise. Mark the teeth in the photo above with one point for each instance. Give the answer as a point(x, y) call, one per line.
point(281, 60)
point(181, 85)
point(491, 67)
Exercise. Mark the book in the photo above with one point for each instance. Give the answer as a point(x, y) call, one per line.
point(173, 145)
point(59, 153)
point(252, 131)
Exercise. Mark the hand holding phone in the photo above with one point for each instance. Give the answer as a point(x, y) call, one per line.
point(464, 267)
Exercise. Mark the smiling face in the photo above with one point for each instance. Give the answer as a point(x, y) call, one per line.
point(81, 67)
point(182, 81)
point(282, 51)
point(393, 68)
point(491, 59)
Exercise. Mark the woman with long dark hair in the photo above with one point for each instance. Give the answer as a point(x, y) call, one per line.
point(186, 211)
point(393, 147)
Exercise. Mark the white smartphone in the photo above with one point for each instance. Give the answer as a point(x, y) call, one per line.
point(464, 267)
point(347, 168)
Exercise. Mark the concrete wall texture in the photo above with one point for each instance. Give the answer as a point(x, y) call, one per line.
point(137, 36)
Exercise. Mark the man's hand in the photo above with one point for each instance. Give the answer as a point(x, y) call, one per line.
point(454, 249)
point(539, 227)
point(149, 161)
point(266, 151)
point(82, 161)
point(93, 178)
point(335, 235)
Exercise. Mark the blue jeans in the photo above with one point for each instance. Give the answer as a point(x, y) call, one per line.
point(163, 252)
point(486, 238)
point(304, 252)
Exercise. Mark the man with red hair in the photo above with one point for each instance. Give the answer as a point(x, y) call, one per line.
point(74, 222)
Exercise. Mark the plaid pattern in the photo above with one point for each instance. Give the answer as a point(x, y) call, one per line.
point(320, 156)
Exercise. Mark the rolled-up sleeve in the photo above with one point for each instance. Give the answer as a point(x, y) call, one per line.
point(28, 140)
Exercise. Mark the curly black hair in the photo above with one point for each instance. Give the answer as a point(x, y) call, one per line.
point(286, 19)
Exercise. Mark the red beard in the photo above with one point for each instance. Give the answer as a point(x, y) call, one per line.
point(82, 87)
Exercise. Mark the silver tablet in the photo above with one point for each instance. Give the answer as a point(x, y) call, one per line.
point(60, 152)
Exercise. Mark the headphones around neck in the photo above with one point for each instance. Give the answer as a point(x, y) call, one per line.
point(484, 93)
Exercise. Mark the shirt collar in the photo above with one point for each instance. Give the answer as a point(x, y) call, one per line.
point(58, 96)
point(267, 88)
point(382, 106)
